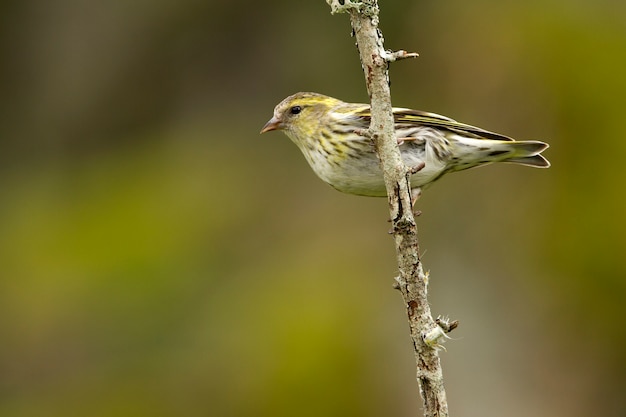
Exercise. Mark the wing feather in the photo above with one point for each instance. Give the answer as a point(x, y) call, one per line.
point(416, 117)
point(408, 117)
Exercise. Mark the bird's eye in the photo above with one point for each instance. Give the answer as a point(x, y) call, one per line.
point(295, 110)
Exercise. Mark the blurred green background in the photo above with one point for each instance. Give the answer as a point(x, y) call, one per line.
point(160, 258)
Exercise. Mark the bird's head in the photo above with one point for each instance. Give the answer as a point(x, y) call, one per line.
point(300, 115)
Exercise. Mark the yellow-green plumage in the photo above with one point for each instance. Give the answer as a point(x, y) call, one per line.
point(325, 129)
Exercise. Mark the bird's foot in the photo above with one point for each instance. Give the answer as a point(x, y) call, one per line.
point(415, 195)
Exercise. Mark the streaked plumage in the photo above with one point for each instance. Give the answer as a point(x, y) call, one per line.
point(324, 130)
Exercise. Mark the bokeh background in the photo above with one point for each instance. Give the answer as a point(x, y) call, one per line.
point(160, 258)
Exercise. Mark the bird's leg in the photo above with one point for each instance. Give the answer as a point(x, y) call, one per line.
point(415, 195)
point(417, 191)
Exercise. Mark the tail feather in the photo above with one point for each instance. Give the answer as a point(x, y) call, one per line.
point(471, 152)
point(537, 161)
point(528, 153)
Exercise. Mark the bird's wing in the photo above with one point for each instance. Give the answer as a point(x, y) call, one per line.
point(408, 117)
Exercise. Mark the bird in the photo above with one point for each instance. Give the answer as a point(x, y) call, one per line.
point(330, 134)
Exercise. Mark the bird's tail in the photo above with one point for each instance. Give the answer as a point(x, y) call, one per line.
point(526, 153)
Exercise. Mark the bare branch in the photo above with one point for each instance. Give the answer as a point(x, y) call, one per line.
point(426, 333)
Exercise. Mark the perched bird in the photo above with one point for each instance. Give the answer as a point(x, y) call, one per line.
point(327, 132)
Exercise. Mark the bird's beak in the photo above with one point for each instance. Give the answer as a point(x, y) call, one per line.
point(272, 124)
